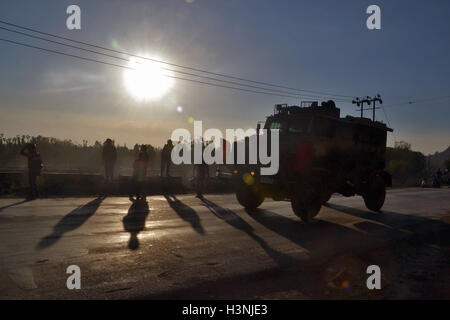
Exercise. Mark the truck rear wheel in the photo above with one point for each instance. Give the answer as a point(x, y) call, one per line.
point(306, 209)
point(376, 194)
point(249, 197)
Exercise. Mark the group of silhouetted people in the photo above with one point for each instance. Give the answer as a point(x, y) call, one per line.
point(109, 158)
point(140, 165)
point(436, 179)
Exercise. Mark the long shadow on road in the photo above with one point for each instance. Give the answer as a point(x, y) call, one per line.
point(237, 222)
point(339, 254)
point(13, 204)
point(325, 242)
point(71, 221)
point(394, 223)
point(185, 212)
point(378, 228)
point(134, 221)
point(319, 239)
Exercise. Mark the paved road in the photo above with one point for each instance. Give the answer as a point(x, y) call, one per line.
point(184, 247)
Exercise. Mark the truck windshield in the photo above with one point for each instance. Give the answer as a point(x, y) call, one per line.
point(275, 125)
point(299, 126)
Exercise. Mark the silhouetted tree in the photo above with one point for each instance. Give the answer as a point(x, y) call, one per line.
point(405, 166)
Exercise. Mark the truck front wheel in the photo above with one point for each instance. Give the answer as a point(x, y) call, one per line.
point(376, 193)
point(249, 197)
point(306, 209)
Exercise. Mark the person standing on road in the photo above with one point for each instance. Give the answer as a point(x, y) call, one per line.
point(145, 156)
point(34, 168)
point(139, 174)
point(138, 179)
point(439, 177)
point(166, 158)
point(109, 157)
point(201, 174)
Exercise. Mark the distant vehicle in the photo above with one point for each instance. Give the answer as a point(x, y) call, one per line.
point(425, 183)
point(436, 182)
point(320, 154)
point(433, 181)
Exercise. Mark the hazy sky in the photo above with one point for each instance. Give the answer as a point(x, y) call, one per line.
point(316, 45)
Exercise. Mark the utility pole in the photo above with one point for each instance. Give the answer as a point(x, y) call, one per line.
point(360, 103)
point(375, 99)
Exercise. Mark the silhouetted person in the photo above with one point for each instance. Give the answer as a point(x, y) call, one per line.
point(438, 178)
point(145, 156)
point(139, 174)
point(109, 157)
point(439, 174)
point(201, 173)
point(34, 168)
point(166, 158)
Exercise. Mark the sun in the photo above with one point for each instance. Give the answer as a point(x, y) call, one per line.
point(147, 80)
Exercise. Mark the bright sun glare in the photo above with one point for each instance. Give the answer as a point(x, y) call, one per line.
point(147, 80)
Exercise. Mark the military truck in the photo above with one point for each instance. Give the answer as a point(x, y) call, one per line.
point(320, 154)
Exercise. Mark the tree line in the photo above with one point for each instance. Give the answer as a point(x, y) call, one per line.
point(67, 155)
point(409, 167)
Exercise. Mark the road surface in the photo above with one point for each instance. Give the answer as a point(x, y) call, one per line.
point(180, 246)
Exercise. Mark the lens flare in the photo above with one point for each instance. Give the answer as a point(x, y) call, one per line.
point(248, 179)
point(147, 80)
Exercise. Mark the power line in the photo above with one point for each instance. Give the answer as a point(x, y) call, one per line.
point(173, 64)
point(389, 123)
point(413, 101)
point(408, 103)
point(167, 69)
point(419, 101)
point(126, 67)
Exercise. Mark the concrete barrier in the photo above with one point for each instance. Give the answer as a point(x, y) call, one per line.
point(79, 184)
